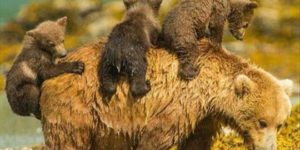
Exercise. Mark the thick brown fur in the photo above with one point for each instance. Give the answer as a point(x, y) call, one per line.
point(36, 63)
point(192, 20)
point(125, 51)
point(228, 90)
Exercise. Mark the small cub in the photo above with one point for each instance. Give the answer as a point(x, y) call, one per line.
point(35, 64)
point(192, 20)
point(125, 51)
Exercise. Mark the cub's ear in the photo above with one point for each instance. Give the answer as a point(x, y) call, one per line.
point(251, 5)
point(287, 86)
point(243, 85)
point(32, 33)
point(129, 3)
point(62, 21)
point(155, 4)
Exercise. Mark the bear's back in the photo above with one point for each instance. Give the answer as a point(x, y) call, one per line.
point(74, 99)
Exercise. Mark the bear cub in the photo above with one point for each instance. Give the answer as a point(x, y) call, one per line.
point(125, 51)
point(203, 18)
point(35, 64)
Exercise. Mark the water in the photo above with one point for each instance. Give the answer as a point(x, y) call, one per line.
point(17, 131)
point(10, 8)
point(295, 99)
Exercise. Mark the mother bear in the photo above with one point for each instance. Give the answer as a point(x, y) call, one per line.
point(228, 90)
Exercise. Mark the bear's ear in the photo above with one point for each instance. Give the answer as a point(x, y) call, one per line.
point(129, 3)
point(62, 21)
point(251, 5)
point(155, 4)
point(243, 85)
point(287, 85)
point(32, 33)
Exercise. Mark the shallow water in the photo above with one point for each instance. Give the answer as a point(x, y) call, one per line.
point(17, 131)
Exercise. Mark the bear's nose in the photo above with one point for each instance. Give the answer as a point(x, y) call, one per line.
point(61, 51)
point(63, 54)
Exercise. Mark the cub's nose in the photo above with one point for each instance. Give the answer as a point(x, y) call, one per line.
point(241, 38)
point(62, 54)
point(60, 51)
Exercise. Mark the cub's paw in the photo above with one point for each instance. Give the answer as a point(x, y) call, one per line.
point(108, 89)
point(188, 72)
point(215, 45)
point(37, 114)
point(140, 88)
point(77, 67)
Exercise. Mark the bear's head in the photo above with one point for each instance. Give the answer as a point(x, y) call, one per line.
point(241, 13)
point(50, 36)
point(262, 105)
point(154, 4)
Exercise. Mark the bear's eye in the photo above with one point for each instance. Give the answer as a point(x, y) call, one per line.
point(245, 25)
point(262, 124)
point(51, 44)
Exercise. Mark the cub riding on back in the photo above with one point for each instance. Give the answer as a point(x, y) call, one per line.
point(37, 63)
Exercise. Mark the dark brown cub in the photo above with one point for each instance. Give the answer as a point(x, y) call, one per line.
point(125, 51)
point(192, 20)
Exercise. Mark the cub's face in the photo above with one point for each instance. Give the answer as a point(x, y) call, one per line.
point(50, 36)
point(264, 107)
point(240, 17)
point(154, 4)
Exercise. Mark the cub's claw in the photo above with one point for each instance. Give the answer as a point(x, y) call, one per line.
point(188, 72)
point(78, 67)
point(140, 89)
point(108, 89)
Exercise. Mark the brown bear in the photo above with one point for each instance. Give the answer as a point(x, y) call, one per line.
point(228, 90)
point(42, 46)
point(125, 51)
point(195, 19)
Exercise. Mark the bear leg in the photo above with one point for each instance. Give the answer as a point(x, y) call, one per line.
point(202, 136)
point(137, 77)
point(187, 54)
point(108, 80)
point(32, 94)
point(67, 136)
point(139, 87)
point(216, 35)
point(27, 100)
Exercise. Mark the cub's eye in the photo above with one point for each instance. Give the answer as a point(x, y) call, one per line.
point(245, 25)
point(246, 134)
point(262, 124)
point(51, 44)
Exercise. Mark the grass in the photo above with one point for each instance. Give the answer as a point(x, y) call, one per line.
point(288, 138)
